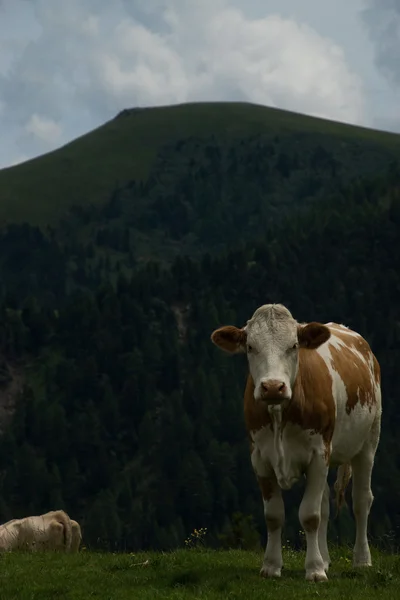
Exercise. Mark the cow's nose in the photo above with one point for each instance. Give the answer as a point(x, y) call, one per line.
point(273, 389)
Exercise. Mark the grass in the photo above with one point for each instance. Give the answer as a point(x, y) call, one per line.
point(87, 169)
point(187, 574)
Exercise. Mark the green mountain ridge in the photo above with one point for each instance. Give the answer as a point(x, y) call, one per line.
point(86, 170)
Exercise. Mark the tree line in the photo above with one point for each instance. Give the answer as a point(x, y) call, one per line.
point(129, 419)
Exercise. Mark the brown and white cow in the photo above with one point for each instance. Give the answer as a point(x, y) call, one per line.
point(312, 400)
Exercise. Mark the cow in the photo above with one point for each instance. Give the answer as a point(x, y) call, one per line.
point(53, 530)
point(76, 536)
point(312, 401)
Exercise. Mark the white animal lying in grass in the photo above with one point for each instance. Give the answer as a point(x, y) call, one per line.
point(51, 531)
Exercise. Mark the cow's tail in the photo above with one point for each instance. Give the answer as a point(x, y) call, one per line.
point(65, 521)
point(343, 477)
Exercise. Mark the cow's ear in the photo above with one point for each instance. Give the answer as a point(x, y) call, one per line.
point(230, 339)
point(312, 335)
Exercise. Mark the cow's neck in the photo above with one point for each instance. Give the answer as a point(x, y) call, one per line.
point(281, 467)
point(280, 415)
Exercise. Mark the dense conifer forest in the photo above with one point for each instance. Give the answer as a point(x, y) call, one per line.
point(115, 406)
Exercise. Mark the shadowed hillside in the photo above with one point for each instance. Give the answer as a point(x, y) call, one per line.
point(126, 415)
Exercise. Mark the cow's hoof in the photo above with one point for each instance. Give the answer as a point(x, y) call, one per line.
point(316, 576)
point(269, 571)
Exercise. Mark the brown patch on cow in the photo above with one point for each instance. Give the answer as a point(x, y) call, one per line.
point(311, 523)
point(312, 405)
point(267, 487)
point(355, 369)
point(344, 474)
point(377, 370)
point(272, 524)
point(229, 338)
point(256, 414)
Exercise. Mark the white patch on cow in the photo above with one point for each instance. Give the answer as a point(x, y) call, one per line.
point(350, 429)
point(285, 451)
point(334, 341)
point(339, 391)
point(371, 362)
point(271, 337)
point(343, 328)
point(284, 473)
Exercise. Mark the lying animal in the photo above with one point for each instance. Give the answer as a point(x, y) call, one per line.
point(76, 536)
point(51, 531)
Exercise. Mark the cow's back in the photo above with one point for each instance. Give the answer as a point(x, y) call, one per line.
point(356, 389)
point(9, 535)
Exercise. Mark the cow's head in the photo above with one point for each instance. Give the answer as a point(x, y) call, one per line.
point(271, 340)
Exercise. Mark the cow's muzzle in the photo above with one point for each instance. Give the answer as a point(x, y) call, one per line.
point(274, 391)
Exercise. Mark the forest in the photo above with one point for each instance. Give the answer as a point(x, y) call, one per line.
point(114, 404)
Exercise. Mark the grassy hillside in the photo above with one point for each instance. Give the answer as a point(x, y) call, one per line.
point(88, 169)
point(188, 574)
point(129, 419)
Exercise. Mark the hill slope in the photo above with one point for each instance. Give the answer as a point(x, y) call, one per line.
point(88, 169)
point(132, 421)
point(128, 417)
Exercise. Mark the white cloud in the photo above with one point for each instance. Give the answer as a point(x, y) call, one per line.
point(44, 129)
point(88, 59)
point(139, 66)
point(382, 18)
point(382, 21)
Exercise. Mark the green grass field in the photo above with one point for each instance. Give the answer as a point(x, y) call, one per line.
point(188, 574)
point(87, 169)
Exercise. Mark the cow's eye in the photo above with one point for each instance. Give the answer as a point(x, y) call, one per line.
point(295, 346)
point(249, 348)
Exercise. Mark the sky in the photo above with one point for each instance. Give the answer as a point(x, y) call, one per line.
point(66, 67)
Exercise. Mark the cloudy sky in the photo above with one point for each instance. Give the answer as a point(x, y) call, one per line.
point(66, 66)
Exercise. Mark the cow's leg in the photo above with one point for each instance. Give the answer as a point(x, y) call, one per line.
point(310, 516)
point(362, 465)
point(323, 528)
point(76, 536)
point(274, 512)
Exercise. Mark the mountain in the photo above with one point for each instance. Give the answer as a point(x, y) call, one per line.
point(123, 251)
point(157, 180)
point(144, 142)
